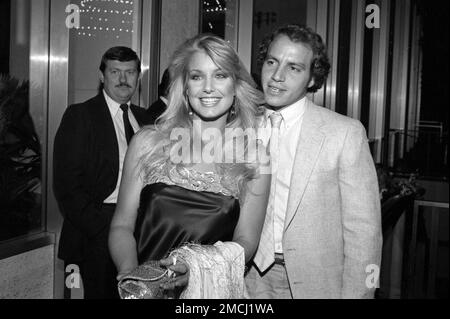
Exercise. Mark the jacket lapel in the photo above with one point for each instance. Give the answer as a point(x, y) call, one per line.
point(308, 150)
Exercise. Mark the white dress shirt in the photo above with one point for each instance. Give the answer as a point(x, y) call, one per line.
point(116, 115)
point(288, 139)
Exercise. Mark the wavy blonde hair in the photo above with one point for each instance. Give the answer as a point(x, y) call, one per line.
point(247, 103)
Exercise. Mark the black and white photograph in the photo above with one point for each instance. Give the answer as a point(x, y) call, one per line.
point(240, 155)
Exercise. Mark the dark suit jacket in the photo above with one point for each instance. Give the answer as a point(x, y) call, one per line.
point(156, 109)
point(85, 171)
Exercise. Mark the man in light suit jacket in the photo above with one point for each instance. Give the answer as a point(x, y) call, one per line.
point(322, 233)
point(90, 147)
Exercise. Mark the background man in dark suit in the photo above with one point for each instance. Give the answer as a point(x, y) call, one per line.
point(159, 106)
point(90, 147)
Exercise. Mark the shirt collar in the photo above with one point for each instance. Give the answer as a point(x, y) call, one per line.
point(113, 106)
point(290, 113)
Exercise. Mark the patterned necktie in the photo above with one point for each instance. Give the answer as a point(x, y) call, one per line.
point(265, 255)
point(129, 132)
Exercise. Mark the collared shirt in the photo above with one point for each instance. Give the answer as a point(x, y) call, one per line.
point(289, 135)
point(116, 115)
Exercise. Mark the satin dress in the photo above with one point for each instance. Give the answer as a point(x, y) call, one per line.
point(179, 206)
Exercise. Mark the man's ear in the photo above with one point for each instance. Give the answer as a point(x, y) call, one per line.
point(101, 77)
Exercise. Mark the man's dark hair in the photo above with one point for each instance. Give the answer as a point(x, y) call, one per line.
point(122, 54)
point(163, 87)
point(320, 65)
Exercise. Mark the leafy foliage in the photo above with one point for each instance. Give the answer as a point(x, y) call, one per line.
point(20, 161)
point(390, 186)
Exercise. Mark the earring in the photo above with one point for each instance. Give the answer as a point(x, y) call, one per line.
point(188, 105)
point(231, 114)
point(189, 109)
point(233, 107)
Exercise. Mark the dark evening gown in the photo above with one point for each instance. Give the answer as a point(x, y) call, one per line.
point(183, 206)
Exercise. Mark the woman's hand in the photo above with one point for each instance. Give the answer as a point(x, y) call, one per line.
point(180, 276)
point(122, 273)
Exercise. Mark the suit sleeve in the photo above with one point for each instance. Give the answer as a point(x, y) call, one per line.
point(69, 173)
point(361, 216)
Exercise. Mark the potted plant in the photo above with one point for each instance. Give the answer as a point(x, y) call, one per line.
point(20, 161)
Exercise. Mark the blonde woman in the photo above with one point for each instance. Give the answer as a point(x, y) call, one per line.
point(173, 192)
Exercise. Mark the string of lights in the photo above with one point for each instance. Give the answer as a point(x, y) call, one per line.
point(214, 12)
point(115, 18)
point(106, 18)
point(215, 6)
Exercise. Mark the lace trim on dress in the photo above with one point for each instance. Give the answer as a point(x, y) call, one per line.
point(164, 172)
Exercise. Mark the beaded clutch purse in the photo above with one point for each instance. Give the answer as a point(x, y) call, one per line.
point(144, 282)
